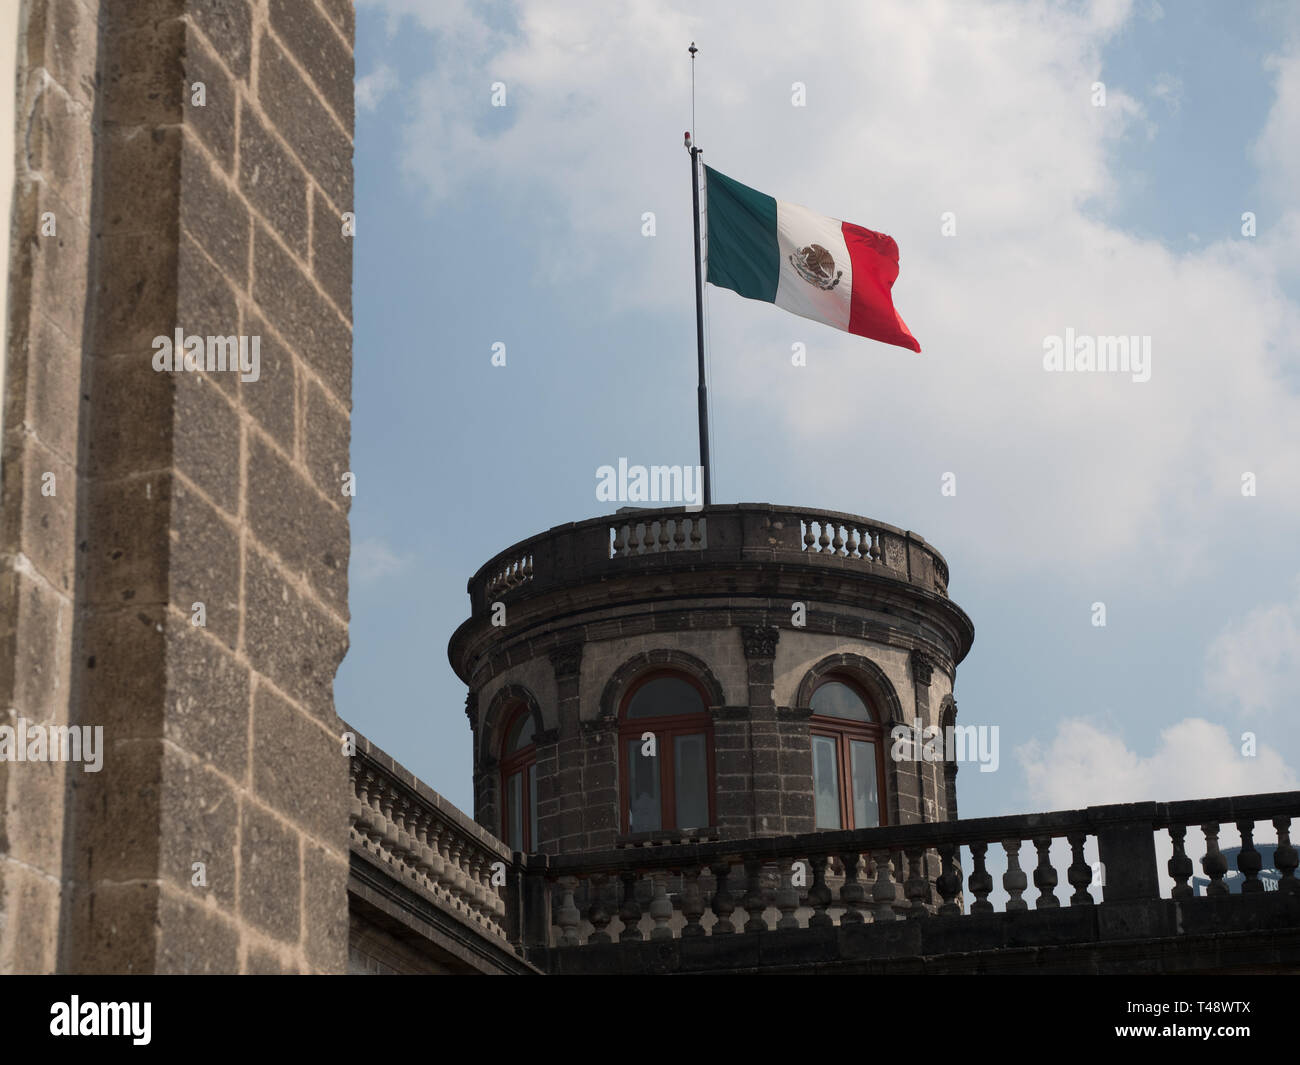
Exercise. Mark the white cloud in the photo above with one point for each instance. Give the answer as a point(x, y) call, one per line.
point(1169, 89)
point(373, 87)
point(1253, 664)
point(373, 560)
point(1194, 759)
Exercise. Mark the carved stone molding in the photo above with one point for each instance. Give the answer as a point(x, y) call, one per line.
point(922, 668)
point(471, 710)
point(566, 660)
point(759, 640)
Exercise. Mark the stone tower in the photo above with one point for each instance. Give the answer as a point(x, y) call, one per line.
point(731, 673)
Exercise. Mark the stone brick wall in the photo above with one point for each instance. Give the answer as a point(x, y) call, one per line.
point(217, 209)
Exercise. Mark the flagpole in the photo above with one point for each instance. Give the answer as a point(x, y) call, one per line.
point(703, 391)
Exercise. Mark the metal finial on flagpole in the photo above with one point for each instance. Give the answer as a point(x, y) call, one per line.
point(703, 392)
point(692, 49)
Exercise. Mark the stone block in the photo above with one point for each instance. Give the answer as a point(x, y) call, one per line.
point(215, 216)
point(194, 939)
point(204, 567)
point(318, 140)
point(214, 119)
point(289, 747)
point(272, 398)
point(291, 302)
point(270, 879)
point(331, 253)
point(325, 898)
point(274, 183)
point(319, 49)
point(290, 638)
point(286, 514)
point(227, 25)
point(208, 694)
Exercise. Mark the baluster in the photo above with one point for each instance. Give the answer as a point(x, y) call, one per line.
point(754, 904)
point(599, 912)
point(1214, 863)
point(1285, 858)
point(883, 893)
point(696, 537)
point(567, 916)
point(630, 912)
point(787, 898)
point(1179, 865)
point(692, 902)
point(1080, 872)
point(981, 882)
point(819, 895)
point(1014, 879)
point(679, 534)
point(851, 546)
point(1045, 877)
point(620, 541)
point(661, 906)
point(948, 882)
point(875, 546)
point(664, 538)
point(420, 850)
point(723, 904)
point(808, 538)
point(823, 541)
point(838, 542)
point(528, 568)
point(1248, 859)
point(853, 896)
point(915, 885)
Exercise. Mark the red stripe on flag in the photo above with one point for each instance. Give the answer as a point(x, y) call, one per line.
point(875, 268)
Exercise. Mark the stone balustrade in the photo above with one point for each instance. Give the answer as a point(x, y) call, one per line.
point(418, 839)
point(878, 876)
point(664, 538)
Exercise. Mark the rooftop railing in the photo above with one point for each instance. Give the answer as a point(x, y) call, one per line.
point(830, 879)
point(674, 536)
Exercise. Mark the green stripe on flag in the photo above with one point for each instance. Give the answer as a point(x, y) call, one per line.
point(742, 250)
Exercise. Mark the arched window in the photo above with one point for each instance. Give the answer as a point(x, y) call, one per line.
point(848, 757)
point(671, 788)
point(519, 781)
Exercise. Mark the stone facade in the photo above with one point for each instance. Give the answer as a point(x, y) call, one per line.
point(181, 164)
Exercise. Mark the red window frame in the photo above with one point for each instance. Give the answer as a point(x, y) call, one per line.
point(518, 762)
point(843, 731)
point(665, 729)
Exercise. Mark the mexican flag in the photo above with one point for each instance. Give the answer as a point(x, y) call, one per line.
point(817, 267)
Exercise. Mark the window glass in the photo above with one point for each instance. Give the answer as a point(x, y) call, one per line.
point(515, 812)
point(866, 796)
point(834, 699)
point(521, 734)
point(532, 805)
point(665, 697)
point(690, 780)
point(642, 790)
point(826, 782)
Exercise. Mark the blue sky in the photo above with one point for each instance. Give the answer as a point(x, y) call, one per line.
point(522, 224)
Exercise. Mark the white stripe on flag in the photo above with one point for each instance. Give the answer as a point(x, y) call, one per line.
point(798, 229)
